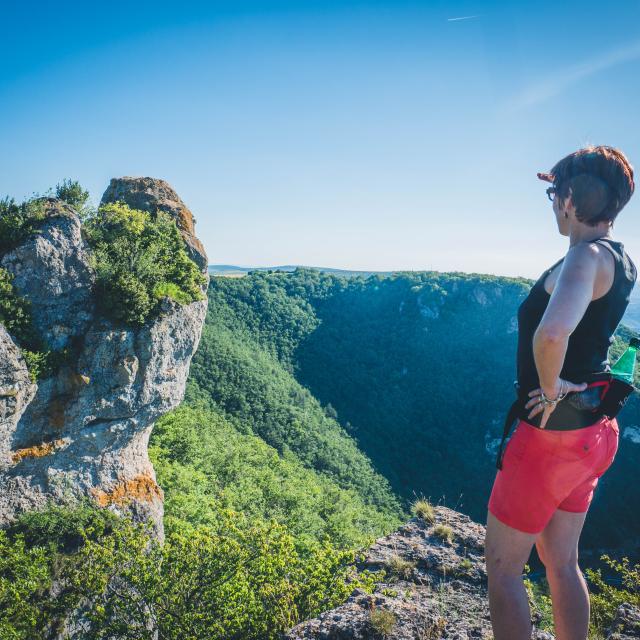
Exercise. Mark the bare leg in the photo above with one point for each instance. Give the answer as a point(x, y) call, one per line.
point(558, 549)
point(506, 552)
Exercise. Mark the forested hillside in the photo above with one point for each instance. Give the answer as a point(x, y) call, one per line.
point(414, 370)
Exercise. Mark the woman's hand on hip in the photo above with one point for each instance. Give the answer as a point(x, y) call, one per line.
point(537, 406)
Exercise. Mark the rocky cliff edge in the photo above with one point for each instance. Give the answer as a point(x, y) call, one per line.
point(435, 587)
point(83, 432)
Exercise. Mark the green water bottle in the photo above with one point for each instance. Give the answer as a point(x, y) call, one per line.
point(624, 366)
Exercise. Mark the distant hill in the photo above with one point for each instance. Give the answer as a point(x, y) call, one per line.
point(231, 270)
point(631, 319)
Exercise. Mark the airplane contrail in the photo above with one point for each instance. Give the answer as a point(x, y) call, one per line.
point(461, 18)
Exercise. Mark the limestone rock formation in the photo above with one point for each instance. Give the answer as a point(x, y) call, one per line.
point(435, 587)
point(84, 431)
point(151, 194)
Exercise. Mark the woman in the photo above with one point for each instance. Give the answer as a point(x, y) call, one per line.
point(557, 452)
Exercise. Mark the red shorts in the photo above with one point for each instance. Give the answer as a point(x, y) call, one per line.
point(544, 470)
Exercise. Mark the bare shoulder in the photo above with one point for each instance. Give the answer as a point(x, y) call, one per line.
point(593, 261)
point(585, 251)
point(590, 253)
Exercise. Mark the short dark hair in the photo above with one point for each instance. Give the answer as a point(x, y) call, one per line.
point(600, 179)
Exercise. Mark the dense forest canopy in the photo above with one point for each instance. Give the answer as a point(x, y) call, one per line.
point(416, 367)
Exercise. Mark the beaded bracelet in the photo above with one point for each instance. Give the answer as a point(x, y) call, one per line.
point(561, 395)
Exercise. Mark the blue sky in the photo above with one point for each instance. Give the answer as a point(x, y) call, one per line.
point(361, 135)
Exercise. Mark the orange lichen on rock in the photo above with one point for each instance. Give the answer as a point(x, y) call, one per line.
point(141, 487)
point(37, 451)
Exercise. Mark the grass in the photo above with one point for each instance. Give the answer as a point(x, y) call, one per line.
point(444, 532)
point(464, 567)
point(423, 509)
point(382, 621)
point(399, 566)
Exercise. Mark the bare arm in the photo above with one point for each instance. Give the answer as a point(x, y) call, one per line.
point(569, 301)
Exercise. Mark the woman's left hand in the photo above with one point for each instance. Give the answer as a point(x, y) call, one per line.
point(538, 406)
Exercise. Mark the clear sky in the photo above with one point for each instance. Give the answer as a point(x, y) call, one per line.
point(359, 135)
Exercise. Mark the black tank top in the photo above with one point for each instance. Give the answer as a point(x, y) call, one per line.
point(587, 352)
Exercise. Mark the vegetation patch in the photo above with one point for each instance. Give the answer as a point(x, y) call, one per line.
point(400, 567)
point(424, 510)
point(63, 528)
point(71, 192)
point(382, 621)
point(18, 221)
point(540, 602)
point(236, 579)
point(139, 259)
point(444, 532)
point(202, 457)
point(464, 567)
point(606, 597)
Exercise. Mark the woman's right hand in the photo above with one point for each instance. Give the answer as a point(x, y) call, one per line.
point(564, 386)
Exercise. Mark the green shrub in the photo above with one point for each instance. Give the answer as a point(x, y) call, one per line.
point(17, 221)
point(15, 312)
point(171, 290)
point(24, 573)
point(606, 598)
point(71, 192)
point(237, 578)
point(540, 601)
point(139, 259)
point(63, 528)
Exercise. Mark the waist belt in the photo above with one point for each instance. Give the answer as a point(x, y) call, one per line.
point(602, 397)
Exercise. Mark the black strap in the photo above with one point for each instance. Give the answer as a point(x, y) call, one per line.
point(512, 415)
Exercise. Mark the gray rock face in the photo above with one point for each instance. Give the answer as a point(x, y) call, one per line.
point(434, 587)
point(84, 431)
point(16, 392)
point(51, 269)
point(626, 625)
